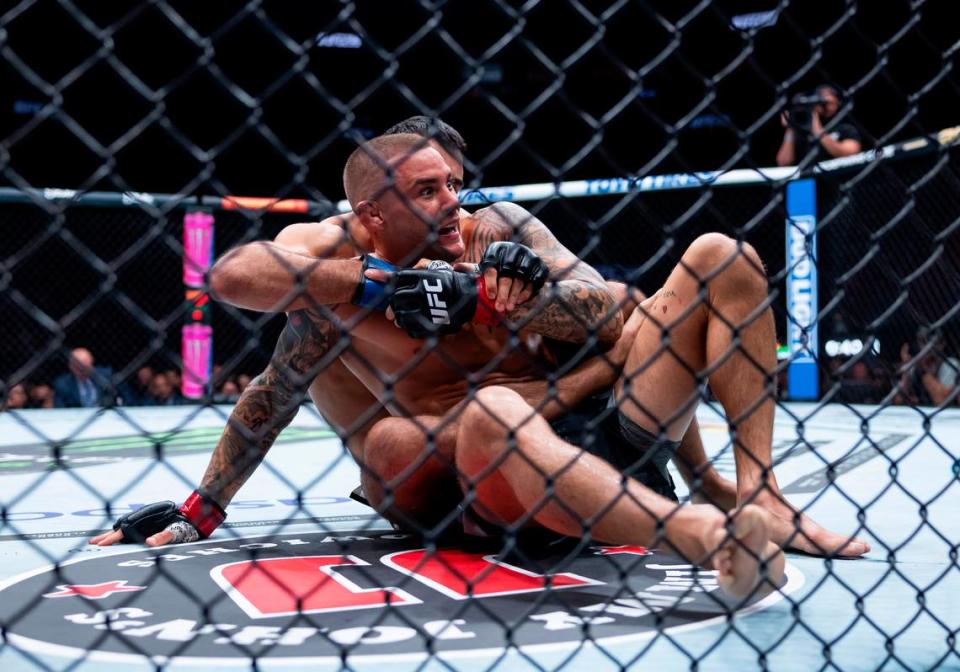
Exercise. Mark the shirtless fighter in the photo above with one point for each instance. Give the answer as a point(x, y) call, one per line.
point(406, 470)
point(430, 381)
point(352, 410)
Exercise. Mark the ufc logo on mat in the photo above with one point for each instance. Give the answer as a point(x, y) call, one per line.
point(438, 307)
point(265, 588)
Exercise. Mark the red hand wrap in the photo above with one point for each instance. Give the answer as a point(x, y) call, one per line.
point(204, 513)
point(486, 312)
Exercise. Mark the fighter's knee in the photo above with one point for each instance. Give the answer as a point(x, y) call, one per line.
point(380, 437)
point(484, 417)
point(388, 432)
point(486, 405)
point(713, 253)
point(712, 248)
point(388, 444)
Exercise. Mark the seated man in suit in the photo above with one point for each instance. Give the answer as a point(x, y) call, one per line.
point(85, 385)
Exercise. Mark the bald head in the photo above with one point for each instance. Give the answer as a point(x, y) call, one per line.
point(369, 169)
point(81, 362)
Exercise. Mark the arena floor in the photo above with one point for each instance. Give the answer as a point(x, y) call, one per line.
point(896, 609)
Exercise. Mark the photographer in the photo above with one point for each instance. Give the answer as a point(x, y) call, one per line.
point(804, 122)
point(929, 375)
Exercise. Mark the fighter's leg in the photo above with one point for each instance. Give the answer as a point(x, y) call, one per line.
point(409, 475)
point(711, 322)
point(405, 464)
point(516, 471)
point(706, 485)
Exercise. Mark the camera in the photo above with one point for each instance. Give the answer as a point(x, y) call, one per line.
point(800, 110)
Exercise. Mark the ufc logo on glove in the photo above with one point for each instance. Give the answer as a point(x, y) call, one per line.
point(438, 307)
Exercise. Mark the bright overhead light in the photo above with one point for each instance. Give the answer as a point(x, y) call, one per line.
point(755, 20)
point(339, 40)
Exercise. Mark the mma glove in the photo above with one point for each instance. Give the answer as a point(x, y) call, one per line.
point(438, 301)
point(513, 260)
point(195, 519)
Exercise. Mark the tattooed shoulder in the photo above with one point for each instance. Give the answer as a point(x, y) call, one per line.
point(504, 221)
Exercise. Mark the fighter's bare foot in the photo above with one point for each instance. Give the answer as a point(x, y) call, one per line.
point(793, 530)
point(741, 548)
point(735, 550)
point(716, 490)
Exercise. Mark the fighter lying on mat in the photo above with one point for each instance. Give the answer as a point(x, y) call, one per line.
point(499, 396)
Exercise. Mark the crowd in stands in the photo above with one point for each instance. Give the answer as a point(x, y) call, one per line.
point(925, 374)
point(87, 385)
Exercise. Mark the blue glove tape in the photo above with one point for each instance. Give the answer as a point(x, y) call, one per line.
point(370, 293)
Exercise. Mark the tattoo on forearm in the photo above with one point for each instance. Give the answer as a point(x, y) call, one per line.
point(270, 402)
point(576, 303)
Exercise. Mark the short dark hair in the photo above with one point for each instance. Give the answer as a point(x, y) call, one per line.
point(368, 170)
point(434, 128)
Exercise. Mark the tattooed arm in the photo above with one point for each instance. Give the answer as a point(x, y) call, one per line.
point(575, 303)
point(269, 403)
point(271, 277)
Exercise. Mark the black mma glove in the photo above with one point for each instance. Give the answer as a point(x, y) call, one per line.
point(513, 260)
point(439, 300)
point(195, 519)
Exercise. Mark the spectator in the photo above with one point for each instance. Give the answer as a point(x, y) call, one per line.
point(242, 381)
point(829, 373)
point(858, 385)
point(229, 393)
point(810, 126)
point(137, 391)
point(173, 375)
point(16, 398)
point(928, 375)
point(162, 392)
point(85, 385)
point(41, 396)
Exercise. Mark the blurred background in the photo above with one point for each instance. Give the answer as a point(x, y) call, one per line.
point(268, 99)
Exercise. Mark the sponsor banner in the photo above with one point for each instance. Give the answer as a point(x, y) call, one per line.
point(802, 302)
point(197, 247)
point(318, 597)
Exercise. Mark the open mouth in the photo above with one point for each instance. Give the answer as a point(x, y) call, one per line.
point(448, 230)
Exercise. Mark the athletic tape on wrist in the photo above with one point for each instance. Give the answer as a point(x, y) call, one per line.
point(204, 513)
point(371, 293)
point(182, 532)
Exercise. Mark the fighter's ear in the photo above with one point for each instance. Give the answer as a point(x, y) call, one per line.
point(370, 215)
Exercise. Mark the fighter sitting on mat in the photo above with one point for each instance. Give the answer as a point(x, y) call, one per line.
point(352, 410)
point(274, 286)
point(257, 460)
point(812, 538)
point(586, 489)
point(342, 398)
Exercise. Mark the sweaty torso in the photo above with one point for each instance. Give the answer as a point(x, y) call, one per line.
point(425, 379)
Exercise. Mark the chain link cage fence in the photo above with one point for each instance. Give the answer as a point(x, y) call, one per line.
point(633, 131)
